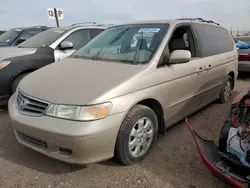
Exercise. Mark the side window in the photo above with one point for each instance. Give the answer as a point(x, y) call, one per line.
point(183, 39)
point(78, 38)
point(213, 40)
point(95, 32)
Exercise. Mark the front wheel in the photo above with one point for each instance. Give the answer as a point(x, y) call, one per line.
point(137, 135)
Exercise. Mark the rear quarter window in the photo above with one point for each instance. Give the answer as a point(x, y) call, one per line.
point(213, 40)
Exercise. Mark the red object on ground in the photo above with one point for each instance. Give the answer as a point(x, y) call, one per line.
point(216, 171)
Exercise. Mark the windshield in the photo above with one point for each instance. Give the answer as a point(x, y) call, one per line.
point(29, 33)
point(44, 38)
point(10, 35)
point(128, 43)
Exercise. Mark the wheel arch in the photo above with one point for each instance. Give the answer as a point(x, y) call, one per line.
point(158, 109)
point(20, 73)
point(156, 106)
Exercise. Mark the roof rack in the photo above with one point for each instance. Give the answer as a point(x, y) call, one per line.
point(199, 19)
point(84, 23)
point(38, 26)
point(92, 24)
point(107, 25)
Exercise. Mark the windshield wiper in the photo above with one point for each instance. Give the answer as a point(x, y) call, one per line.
point(117, 37)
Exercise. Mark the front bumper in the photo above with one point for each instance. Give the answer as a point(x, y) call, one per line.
point(221, 166)
point(244, 66)
point(68, 141)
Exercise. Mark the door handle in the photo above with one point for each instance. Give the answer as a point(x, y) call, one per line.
point(200, 70)
point(208, 67)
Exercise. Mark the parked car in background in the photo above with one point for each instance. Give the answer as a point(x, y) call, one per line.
point(114, 95)
point(243, 44)
point(1, 32)
point(15, 36)
point(41, 50)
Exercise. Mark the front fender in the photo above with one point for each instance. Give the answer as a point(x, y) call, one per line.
point(21, 64)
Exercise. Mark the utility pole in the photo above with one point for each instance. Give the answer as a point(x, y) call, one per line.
point(56, 16)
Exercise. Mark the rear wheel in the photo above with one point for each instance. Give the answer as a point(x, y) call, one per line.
point(226, 90)
point(16, 82)
point(137, 135)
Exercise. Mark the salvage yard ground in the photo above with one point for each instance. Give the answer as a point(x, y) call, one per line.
point(174, 162)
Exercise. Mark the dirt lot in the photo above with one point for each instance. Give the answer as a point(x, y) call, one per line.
point(173, 163)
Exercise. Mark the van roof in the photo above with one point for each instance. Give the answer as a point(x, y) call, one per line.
point(173, 21)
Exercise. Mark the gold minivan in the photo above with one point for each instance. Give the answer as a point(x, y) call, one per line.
point(114, 95)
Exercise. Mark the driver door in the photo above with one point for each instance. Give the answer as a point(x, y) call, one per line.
point(79, 38)
point(185, 80)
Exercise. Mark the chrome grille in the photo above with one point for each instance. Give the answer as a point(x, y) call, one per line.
point(30, 106)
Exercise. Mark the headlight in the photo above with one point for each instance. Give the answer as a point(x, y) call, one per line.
point(80, 113)
point(4, 64)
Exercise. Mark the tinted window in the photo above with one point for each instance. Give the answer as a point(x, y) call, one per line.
point(10, 35)
point(213, 40)
point(78, 38)
point(95, 32)
point(44, 38)
point(127, 43)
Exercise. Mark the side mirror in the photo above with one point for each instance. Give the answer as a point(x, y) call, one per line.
point(180, 56)
point(66, 45)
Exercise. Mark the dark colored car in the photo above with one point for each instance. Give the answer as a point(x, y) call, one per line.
point(230, 160)
point(243, 44)
point(15, 36)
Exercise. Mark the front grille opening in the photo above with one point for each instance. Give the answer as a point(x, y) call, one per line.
point(65, 151)
point(32, 140)
point(29, 105)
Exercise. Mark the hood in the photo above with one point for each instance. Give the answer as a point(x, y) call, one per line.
point(76, 81)
point(7, 52)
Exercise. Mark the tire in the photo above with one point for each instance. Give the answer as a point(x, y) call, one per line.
point(125, 154)
point(226, 90)
point(16, 82)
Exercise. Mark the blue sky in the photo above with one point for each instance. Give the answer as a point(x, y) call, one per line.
point(15, 13)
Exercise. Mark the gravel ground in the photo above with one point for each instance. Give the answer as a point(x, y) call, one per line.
point(174, 161)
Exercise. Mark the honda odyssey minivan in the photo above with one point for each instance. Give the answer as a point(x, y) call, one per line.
point(112, 97)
